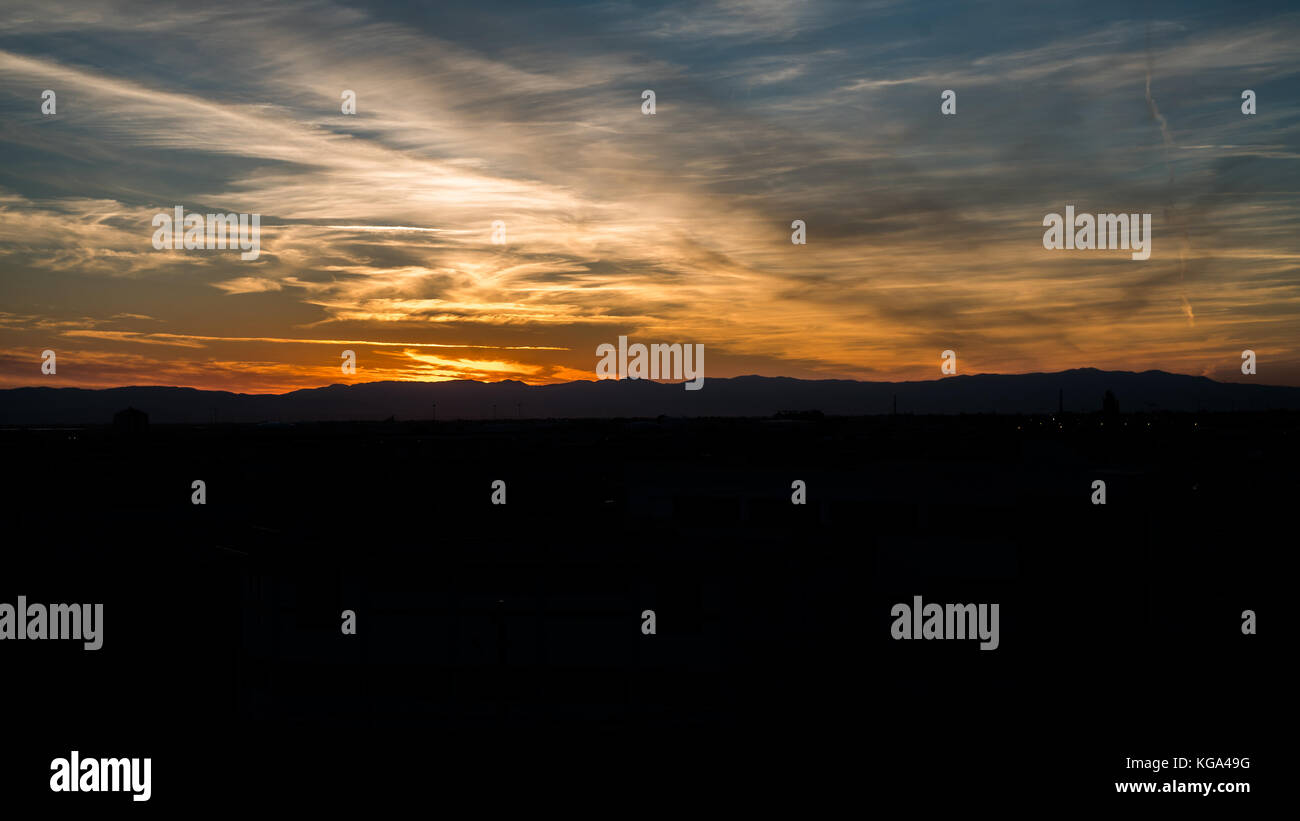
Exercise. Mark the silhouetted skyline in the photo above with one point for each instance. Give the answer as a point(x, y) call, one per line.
point(1080, 391)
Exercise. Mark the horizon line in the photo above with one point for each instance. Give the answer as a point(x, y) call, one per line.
point(655, 381)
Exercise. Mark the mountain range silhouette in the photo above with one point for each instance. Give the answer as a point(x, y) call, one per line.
point(1079, 390)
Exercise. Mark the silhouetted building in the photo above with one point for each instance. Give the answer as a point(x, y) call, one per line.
point(802, 415)
point(131, 421)
point(1109, 404)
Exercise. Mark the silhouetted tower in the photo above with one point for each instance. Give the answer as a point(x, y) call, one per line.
point(1060, 401)
point(130, 421)
point(895, 404)
point(1109, 404)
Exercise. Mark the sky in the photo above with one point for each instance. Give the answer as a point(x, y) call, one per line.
point(924, 230)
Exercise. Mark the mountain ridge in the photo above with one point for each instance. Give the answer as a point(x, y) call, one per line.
point(749, 395)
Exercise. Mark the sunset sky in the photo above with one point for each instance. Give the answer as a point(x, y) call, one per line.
point(924, 231)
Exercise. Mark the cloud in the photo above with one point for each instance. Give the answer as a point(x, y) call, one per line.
point(247, 285)
point(924, 231)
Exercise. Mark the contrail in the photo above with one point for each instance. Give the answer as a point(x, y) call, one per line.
point(1170, 209)
point(384, 228)
point(194, 340)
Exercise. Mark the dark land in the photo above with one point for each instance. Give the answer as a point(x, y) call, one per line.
point(498, 641)
point(1077, 391)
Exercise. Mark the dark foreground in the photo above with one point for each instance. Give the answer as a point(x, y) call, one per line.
point(499, 656)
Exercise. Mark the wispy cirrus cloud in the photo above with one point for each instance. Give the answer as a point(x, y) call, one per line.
point(924, 231)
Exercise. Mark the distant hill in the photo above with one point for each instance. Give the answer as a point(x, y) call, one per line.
point(738, 396)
